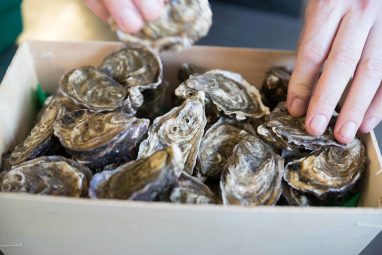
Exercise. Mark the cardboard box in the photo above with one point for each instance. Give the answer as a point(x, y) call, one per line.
point(56, 225)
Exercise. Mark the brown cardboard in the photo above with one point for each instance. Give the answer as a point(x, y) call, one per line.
point(56, 225)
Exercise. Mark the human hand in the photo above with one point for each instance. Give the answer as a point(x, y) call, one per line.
point(129, 15)
point(344, 39)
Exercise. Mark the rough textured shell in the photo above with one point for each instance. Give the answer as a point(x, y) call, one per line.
point(144, 179)
point(94, 90)
point(134, 66)
point(48, 176)
point(228, 91)
point(287, 132)
point(183, 22)
point(331, 169)
point(217, 145)
point(188, 69)
point(275, 86)
point(40, 140)
point(184, 126)
point(100, 139)
point(253, 174)
point(191, 190)
point(297, 198)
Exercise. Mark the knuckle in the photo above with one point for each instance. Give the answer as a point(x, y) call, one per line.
point(327, 103)
point(301, 90)
point(313, 52)
point(372, 66)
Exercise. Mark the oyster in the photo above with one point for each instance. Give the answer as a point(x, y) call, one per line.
point(287, 132)
point(253, 174)
point(92, 89)
point(48, 176)
point(217, 145)
point(100, 139)
point(297, 198)
point(184, 126)
point(183, 22)
point(331, 169)
point(275, 86)
point(188, 69)
point(190, 190)
point(134, 66)
point(228, 92)
point(41, 138)
point(144, 179)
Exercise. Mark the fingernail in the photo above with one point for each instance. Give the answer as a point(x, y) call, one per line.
point(318, 124)
point(298, 106)
point(370, 124)
point(130, 21)
point(348, 130)
point(151, 9)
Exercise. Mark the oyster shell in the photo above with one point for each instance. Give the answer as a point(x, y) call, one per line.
point(275, 86)
point(41, 138)
point(297, 198)
point(48, 176)
point(183, 22)
point(100, 139)
point(228, 92)
point(287, 132)
point(94, 90)
point(217, 145)
point(144, 179)
point(191, 190)
point(188, 69)
point(134, 66)
point(253, 174)
point(331, 169)
point(184, 126)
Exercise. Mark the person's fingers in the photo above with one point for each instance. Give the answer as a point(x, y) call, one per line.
point(373, 114)
point(365, 84)
point(338, 70)
point(98, 8)
point(322, 21)
point(150, 9)
point(126, 15)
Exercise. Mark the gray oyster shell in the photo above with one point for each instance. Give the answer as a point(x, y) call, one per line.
point(188, 69)
point(217, 145)
point(297, 198)
point(41, 138)
point(144, 179)
point(51, 175)
point(184, 126)
point(228, 92)
point(182, 23)
point(253, 174)
point(92, 89)
point(275, 86)
point(134, 66)
point(97, 140)
point(329, 170)
point(191, 190)
point(287, 132)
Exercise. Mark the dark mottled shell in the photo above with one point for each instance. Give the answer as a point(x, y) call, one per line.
point(188, 69)
point(144, 179)
point(253, 174)
point(184, 126)
point(228, 92)
point(47, 176)
point(297, 198)
point(134, 66)
point(183, 22)
point(275, 86)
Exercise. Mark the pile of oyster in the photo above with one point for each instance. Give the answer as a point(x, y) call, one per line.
point(107, 134)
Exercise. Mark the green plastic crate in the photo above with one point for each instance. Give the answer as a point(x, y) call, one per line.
point(10, 22)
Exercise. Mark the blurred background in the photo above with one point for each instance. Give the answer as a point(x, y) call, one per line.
point(273, 24)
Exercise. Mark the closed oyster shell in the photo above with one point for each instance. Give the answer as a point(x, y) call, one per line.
point(191, 190)
point(287, 132)
point(253, 174)
point(182, 23)
point(217, 145)
point(41, 138)
point(100, 139)
point(184, 126)
point(134, 66)
point(144, 179)
point(297, 198)
point(47, 176)
point(188, 69)
point(94, 90)
point(228, 92)
point(331, 169)
point(275, 86)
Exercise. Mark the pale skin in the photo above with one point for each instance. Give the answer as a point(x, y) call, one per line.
point(341, 39)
